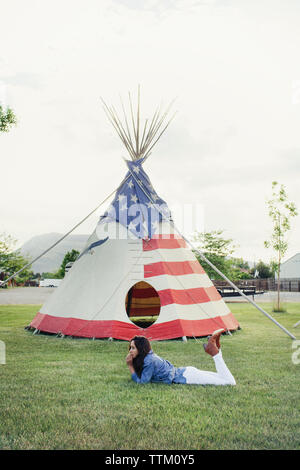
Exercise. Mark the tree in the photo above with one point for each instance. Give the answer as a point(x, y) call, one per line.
point(264, 270)
point(7, 119)
point(47, 275)
point(217, 250)
point(70, 257)
point(36, 276)
point(11, 260)
point(280, 211)
point(239, 269)
point(240, 263)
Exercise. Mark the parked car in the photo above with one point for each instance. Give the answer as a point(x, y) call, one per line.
point(50, 282)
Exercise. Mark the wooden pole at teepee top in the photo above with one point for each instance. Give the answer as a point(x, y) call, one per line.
point(138, 139)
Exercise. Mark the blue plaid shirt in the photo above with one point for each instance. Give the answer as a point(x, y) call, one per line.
point(156, 369)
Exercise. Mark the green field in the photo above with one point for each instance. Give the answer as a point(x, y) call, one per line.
point(77, 393)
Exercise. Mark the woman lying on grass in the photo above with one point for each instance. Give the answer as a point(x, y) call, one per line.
point(145, 366)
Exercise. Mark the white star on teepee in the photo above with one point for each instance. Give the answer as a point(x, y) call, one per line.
point(130, 184)
point(132, 226)
point(134, 198)
point(121, 197)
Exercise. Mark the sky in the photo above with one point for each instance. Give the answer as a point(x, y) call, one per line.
point(232, 66)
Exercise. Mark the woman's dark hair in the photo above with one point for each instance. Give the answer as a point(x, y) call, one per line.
point(144, 347)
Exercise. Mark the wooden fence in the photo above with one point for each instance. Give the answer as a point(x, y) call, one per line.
point(286, 285)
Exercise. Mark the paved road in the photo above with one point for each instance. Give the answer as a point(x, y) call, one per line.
point(38, 295)
point(25, 295)
point(268, 297)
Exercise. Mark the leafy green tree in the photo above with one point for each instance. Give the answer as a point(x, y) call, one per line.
point(280, 211)
point(217, 250)
point(238, 269)
point(264, 270)
point(273, 267)
point(7, 119)
point(47, 275)
point(240, 263)
point(11, 260)
point(36, 276)
point(70, 257)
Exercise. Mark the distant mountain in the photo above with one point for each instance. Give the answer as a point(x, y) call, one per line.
point(53, 259)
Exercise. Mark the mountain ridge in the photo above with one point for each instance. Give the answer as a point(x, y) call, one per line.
point(52, 260)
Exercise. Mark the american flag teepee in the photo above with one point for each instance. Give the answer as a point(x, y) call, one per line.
point(135, 266)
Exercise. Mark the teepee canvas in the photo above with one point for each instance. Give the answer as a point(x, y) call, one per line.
point(135, 266)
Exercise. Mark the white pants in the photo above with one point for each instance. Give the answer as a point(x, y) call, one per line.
point(223, 375)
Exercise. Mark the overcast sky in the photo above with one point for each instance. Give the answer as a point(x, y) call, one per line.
point(233, 67)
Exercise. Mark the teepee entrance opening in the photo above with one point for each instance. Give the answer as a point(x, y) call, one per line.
point(142, 304)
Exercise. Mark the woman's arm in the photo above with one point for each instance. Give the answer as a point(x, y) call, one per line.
point(147, 372)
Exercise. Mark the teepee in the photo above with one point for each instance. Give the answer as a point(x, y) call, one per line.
point(135, 265)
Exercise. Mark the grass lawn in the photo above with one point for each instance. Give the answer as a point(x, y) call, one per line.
point(77, 393)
